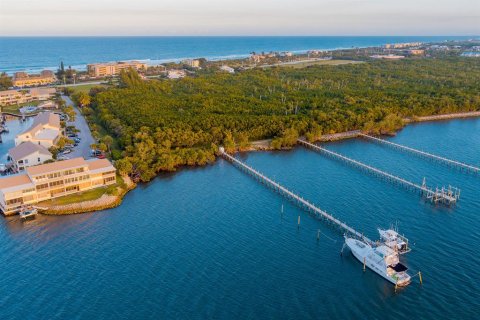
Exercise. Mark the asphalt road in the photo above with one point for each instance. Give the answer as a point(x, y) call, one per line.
point(83, 148)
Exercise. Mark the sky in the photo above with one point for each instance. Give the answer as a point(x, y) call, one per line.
point(238, 17)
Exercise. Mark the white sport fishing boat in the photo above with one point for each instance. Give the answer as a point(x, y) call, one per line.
point(392, 239)
point(381, 259)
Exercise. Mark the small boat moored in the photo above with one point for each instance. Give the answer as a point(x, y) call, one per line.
point(28, 213)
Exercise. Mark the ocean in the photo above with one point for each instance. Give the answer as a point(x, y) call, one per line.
point(33, 54)
point(212, 243)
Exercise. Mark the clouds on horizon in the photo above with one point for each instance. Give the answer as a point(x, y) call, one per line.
point(233, 17)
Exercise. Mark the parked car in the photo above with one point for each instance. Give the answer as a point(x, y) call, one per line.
point(69, 146)
point(62, 157)
point(75, 144)
point(71, 135)
point(95, 153)
point(66, 151)
point(77, 139)
point(101, 156)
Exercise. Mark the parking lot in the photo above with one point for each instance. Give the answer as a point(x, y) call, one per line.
point(83, 148)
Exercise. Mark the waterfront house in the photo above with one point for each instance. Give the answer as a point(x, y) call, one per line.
point(53, 180)
point(97, 70)
point(23, 79)
point(45, 130)
point(28, 154)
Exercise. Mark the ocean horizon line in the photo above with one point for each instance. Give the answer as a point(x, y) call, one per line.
point(238, 36)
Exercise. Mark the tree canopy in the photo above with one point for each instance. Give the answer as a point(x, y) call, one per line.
point(163, 124)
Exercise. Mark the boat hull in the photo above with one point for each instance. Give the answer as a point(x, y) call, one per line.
point(361, 254)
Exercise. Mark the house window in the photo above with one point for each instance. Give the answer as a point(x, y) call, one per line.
point(26, 161)
point(38, 159)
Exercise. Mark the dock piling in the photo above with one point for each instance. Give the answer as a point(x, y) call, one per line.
point(299, 201)
point(443, 196)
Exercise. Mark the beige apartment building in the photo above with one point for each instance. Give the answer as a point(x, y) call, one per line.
point(53, 180)
point(113, 68)
point(9, 97)
point(192, 63)
point(23, 79)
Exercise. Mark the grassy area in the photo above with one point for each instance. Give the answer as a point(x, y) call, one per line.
point(88, 195)
point(306, 63)
point(86, 87)
point(74, 198)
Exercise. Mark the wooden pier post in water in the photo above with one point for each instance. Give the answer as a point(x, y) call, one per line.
point(299, 201)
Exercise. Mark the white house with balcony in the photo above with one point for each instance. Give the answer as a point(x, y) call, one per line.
point(28, 154)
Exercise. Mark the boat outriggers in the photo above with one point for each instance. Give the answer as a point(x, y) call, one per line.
point(381, 259)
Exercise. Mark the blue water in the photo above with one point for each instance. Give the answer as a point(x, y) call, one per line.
point(8, 138)
point(36, 53)
point(211, 242)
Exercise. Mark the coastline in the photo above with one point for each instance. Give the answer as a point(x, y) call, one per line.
point(112, 201)
point(242, 50)
point(264, 145)
point(90, 206)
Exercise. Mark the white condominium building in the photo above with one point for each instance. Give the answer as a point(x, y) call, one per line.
point(52, 180)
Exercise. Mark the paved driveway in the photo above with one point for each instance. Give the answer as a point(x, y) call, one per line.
point(83, 148)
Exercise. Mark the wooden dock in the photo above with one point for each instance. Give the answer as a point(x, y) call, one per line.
point(452, 163)
point(447, 196)
point(302, 203)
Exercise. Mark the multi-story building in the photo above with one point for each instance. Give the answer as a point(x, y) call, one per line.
point(402, 45)
point(23, 79)
point(28, 154)
point(45, 130)
point(9, 97)
point(416, 52)
point(113, 68)
point(53, 180)
point(192, 63)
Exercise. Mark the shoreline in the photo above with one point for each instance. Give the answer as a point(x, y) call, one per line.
point(264, 145)
point(153, 61)
point(104, 202)
point(113, 201)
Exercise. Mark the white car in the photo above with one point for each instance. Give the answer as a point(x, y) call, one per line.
point(62, 157)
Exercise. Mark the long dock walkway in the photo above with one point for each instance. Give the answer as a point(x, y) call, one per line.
point(304, 204)
point(446, 196)
point(449, 162)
